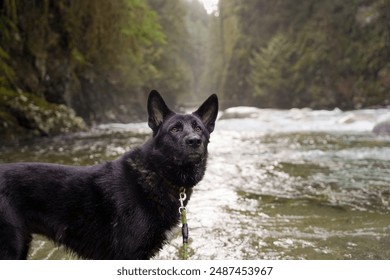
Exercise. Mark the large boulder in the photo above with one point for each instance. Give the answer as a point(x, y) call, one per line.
point(382, 128)
point(23, 115)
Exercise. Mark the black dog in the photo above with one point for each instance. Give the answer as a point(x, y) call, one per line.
point(116, 210)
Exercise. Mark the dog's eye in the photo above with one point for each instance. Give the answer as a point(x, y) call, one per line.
point(174, 129)
point(196, 127)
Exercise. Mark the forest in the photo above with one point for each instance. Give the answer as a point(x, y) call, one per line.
point(66, 65)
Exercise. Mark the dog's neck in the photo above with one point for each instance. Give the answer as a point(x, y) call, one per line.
point(154, 182)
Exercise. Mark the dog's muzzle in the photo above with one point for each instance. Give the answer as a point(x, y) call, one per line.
point(193, 141)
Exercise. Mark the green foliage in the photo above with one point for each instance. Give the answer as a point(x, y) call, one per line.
point(270, 72)
point(10, 8)
point(88, 55)
point(284, 70)
point(171, 59)
point(97, 57)
point(7, 74)
point(320, 54)
point(111, 36)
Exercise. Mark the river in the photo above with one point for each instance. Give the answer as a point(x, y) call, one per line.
point(280, 184)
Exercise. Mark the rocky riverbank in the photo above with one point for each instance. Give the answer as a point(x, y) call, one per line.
point(23, 115)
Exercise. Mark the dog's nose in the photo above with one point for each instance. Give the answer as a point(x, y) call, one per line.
point(193, 141)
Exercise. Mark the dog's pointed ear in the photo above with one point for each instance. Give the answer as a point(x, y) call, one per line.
point(208, 112)
point(157, 110)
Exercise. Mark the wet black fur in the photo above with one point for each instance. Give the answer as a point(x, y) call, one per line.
point(120, 209)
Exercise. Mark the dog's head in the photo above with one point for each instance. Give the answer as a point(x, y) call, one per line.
point(181, 138)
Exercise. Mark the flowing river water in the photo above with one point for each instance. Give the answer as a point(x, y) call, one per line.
point(296, 184)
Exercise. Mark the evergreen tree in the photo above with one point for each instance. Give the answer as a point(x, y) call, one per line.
point(319, 54)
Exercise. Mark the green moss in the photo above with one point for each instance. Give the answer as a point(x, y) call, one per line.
point(25, 113)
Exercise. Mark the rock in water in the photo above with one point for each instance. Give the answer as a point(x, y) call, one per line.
point(382, 128)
